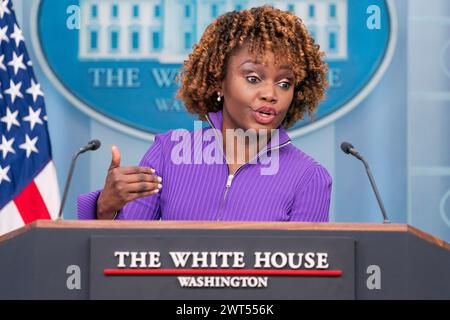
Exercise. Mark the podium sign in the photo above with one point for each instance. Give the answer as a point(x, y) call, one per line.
point(217, 267)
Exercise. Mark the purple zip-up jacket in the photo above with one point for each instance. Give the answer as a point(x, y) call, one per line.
point(299, 191)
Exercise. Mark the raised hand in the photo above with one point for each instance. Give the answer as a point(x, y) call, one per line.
point(125, 184)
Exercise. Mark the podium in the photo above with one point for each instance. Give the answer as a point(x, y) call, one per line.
point(222, 260)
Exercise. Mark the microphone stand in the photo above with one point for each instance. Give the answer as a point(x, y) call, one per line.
point(349, 149)
point(375, 189)
point(92, 145)
point(69, 178)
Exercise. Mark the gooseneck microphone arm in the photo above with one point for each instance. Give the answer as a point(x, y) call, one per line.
point(91, 146)
point(349, 149)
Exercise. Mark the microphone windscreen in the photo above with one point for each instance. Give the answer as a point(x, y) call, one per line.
point(95, 144)
point(346, 146)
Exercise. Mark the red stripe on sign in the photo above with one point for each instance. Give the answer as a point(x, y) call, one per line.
point(31, 205)
point(254, 272)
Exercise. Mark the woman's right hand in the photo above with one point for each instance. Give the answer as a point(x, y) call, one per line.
point(125, 184)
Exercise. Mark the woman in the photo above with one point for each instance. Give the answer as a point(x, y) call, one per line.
point(256, 71)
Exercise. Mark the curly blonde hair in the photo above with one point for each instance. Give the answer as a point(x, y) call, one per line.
point(262, 28)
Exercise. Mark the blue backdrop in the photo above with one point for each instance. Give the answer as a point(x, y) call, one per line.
point(402, 128)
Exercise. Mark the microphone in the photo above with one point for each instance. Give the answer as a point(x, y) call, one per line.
point(348, 148)
point(91, 146)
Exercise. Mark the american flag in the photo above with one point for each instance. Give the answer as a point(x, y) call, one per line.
point(28, 184)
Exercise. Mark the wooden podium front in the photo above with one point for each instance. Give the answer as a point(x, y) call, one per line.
point(222, 260)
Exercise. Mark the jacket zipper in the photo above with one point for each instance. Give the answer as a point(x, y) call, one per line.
point(231, 176)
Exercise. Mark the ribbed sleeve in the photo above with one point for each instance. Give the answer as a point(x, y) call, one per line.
point(147, 208)
point(312, 197)
point(87, 205)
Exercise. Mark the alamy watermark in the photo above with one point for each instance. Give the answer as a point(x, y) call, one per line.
point(373, 22)
point(242, 147)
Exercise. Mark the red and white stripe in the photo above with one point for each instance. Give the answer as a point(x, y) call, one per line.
point(38, 200)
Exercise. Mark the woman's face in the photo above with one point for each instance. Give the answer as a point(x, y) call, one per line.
point(256, 96)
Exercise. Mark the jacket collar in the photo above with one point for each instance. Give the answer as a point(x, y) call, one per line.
point(215, 119)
